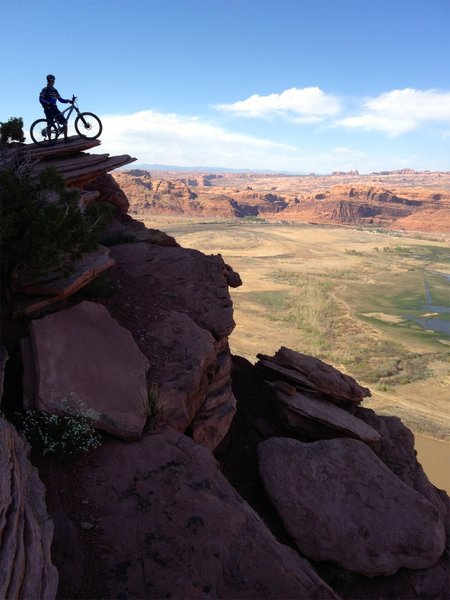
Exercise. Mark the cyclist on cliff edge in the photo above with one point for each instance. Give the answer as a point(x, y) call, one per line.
point(48, 97)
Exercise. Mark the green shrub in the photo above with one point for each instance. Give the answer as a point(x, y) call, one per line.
point(12, 130)
point(41, 225)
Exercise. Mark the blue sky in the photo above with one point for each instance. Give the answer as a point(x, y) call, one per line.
point(301, 86)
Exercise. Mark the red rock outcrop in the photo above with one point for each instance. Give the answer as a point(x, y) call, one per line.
point(80, 360)
point(319, 418)
point(257, 420)
point(34, 294)
point(168, 524)
point(367, 520)
point(370, 202)
point(70, 160)
point(185, 331)
point(109, 191)
point(313, 375)
point(26, 532)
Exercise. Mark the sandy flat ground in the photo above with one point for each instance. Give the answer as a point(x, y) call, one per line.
point(257, 251)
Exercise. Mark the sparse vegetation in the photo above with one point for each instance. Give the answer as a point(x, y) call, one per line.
point(59, 435)
point(312, 309)
point(153, 407)
point(41, 226)
point(354, 252)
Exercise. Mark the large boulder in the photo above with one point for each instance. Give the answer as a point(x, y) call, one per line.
point(339, 502)
point(167, 524)
point(81, 359)
point(396, 450)
point(26, 569)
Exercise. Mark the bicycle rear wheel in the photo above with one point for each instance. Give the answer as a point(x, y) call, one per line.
point(88, 125)
point(39, 132)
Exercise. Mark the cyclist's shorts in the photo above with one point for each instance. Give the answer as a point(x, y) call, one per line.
point(53, 114)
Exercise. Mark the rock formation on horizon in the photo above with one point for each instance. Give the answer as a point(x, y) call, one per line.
point(361, 200)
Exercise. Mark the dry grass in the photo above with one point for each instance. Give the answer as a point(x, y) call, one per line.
point(321, 291)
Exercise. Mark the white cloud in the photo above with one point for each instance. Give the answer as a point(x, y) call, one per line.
point(172, 139)
point(301, 105)
point(401, 111)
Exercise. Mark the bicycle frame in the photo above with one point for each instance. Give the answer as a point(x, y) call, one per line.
point(68, 111)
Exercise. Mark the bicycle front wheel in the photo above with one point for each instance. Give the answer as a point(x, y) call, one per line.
point(88, 125)
point(39, 132)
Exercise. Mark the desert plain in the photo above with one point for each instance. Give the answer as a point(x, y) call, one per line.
point(371, 301)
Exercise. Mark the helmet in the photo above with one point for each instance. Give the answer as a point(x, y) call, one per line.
point(50, 77)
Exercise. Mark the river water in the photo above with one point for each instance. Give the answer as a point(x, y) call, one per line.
point(431, 320)
point(434, 456)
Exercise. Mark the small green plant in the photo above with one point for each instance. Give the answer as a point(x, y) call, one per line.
point(12, 131)
point(153, 408)
point(382, 387)
point(60, 434)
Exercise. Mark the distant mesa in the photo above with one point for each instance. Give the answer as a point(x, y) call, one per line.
point(341, 173)
point(404, 199)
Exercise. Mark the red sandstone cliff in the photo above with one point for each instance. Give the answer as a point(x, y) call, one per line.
point(409, 208)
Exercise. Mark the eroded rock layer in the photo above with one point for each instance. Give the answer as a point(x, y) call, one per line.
point(26, 531)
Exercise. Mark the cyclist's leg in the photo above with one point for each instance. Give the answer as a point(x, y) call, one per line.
point(49, 117)
point(62, 121)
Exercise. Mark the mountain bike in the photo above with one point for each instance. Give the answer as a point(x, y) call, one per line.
point(87, 125)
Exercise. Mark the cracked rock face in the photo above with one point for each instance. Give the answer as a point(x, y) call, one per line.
point(26, 532)
point(171, 526)
point(367, 519)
